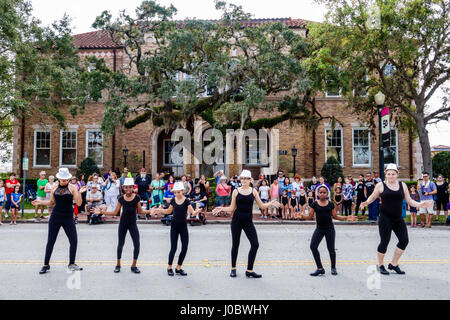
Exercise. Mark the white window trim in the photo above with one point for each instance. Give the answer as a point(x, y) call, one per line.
point(342, 144)
point(353, 149)
point(396, 144)
point(333, 95)
point(60, 148)
point(164, 156)
point(87, 144)
point(34, 149)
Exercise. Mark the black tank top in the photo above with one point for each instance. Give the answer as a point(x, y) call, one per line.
point(63, 201)
point(180, 210)
point(392, 202)
point(244, 207)
point(129, 208)
point(293, 202)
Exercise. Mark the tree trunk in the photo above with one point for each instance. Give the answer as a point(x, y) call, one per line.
point(425, 145)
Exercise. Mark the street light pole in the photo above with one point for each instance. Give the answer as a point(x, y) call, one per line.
point(125, 155)
point(294, 155)
point(379, 99)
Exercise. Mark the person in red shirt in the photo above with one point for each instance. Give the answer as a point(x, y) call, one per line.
point(9, 188)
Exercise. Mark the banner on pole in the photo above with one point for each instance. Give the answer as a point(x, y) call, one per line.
point(385, 127)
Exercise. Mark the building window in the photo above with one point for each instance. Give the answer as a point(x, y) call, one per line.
point(332, 87)
point(253, 152)
point(168, 147)
point(334, 145)
point(94, 146)
point(391, 152)
point(361, 147)
point(68, 150)
point(42, 142)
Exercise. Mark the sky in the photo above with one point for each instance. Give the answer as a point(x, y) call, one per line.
point(84, 12)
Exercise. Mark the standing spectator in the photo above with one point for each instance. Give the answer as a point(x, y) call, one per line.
point(94, 181)
point(169, 184)
point(41, 195)
point(376, 177)
point(284, 204)
point(360, 198)
point(10, 185)
point(143, 182)
point(442, 196)
point(264, 195)
point(313, 185)
point(16, 198)
point(352, 182)
point(191, 183)
point(217, 176)
point(296, 185)
point(427, 189)
point(2, 200)
point(338, 199)
point(369, 187)
point(204, 187)
point(302, 200)
point(124, 175)
point(274, 195)
point(223, 191)
point(339, 183)
point(347, 191)
point(280, 181)
point(235, 183)
point(321, 183)
point(260, 180)
point(187, 185)
point(80, 184)
point(112, 192)
point(48, 189)
point(413, 210)
point(157, 188)
point(287, 186)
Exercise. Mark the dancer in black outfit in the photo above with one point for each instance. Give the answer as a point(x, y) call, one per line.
point(241, 209)
point(131, 205)
point(62, 196)
point(392, 193)
point(180, 206)
point(325, 212)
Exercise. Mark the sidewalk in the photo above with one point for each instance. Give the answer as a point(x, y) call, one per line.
point(214, 220)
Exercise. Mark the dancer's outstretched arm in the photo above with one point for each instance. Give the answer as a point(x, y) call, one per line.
point(109, 213)
point(343, 218)
point(231, 208)
point(308, 216)
point(161, 210)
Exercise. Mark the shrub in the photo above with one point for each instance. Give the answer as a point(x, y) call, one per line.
point(441, 164)
point(331, 170)
point(88, 168)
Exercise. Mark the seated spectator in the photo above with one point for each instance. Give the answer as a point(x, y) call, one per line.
point(197, 198)
point(94, 199)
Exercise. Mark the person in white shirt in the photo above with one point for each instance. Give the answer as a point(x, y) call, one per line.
point(112, 191)
point(264, 195)
point(296, 186)
point(48, 189)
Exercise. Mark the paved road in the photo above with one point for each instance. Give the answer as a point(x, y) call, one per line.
point(284, 259)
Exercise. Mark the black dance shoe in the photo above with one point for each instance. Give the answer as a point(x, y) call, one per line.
point(180, 272)
point(170, 272)
point(334, 271)
point(233, 273)
point(135, 270)
point(396, 269)
point(382, 270)
point(252, 275)
point(117, 269)
point(44, 269)
point(317, 272)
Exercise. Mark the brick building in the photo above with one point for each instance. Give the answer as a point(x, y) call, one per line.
point(49, 147)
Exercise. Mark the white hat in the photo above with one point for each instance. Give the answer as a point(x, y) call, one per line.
point(128, 182)
point(391, 166)
point(223, 178)
point(245, 174)
point(64, 174)
point(178, 186)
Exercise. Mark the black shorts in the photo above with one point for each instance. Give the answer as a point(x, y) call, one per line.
point(441, 203)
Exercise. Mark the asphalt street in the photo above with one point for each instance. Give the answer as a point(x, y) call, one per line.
point(284, 259)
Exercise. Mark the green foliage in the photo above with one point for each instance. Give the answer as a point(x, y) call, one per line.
point(331, 171)
point(88, 167)
point(441, 164)
point(225, 88)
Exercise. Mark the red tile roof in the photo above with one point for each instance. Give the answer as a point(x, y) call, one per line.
point(102, 40)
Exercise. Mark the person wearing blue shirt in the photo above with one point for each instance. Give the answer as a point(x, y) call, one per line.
point(16, 197)
point(427, 189)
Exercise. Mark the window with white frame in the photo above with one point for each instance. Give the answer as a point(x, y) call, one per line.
point(68, 149)
point(334, 144)
point(253, 151)
point(391, 152)
point(332, 87)
point(94, 146)
point(42, 143)
point(168, 147)
point(361, 147)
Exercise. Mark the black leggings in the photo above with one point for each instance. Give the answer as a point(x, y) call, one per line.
point(250, 231)
point(178, 228)
point(348, 207)
point(317, 237)
point(125, 226)
point(54, 224)
point(358, 203)
point(385, 226)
